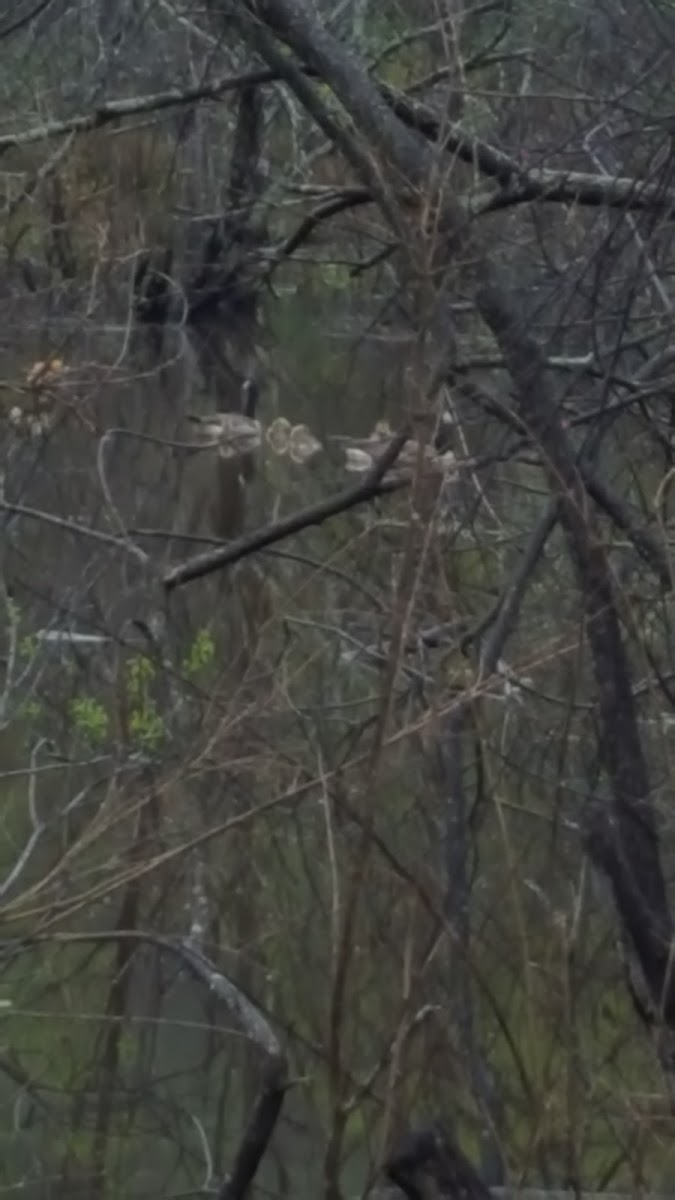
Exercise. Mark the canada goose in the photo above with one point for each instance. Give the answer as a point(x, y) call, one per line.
point(232, 434)
point(232, 438)
point(360, 453)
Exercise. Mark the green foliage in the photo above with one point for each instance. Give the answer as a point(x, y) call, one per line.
point(201, 653)
point(13, 612)
point(140, 673)
point(28, 648)
point(30, 710)
point(335, 276)
point(90, 718)
point(146, 724)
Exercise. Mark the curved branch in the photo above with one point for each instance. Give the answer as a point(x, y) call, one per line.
point(346, 199)
point(255, 1025)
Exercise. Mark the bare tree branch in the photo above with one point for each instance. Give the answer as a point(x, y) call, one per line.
point(373, 484)
point(86, 531)
point(116, 110)
point(257, 1134)
point(346, 199)
point(255, 1025)
point(625, 840)
point(22, 21)
point(519, 184)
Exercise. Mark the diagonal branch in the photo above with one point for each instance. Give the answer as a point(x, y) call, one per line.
point(373, 484)
point(521, 184)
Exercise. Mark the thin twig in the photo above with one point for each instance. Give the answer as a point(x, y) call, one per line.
point(36, 514)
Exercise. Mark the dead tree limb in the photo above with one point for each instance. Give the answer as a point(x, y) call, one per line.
point(257, 1134)
point(261, 1123)
point(251, 1020)
point(373, 484)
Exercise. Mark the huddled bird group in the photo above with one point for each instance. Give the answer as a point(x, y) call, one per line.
point(237, 437)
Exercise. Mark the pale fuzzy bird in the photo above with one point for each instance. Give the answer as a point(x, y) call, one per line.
point(357, 460)
point(361, 453)
point(44, 372)
point(303, 445)
point(231, 440)
point(278, 435)
point(297, 441)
